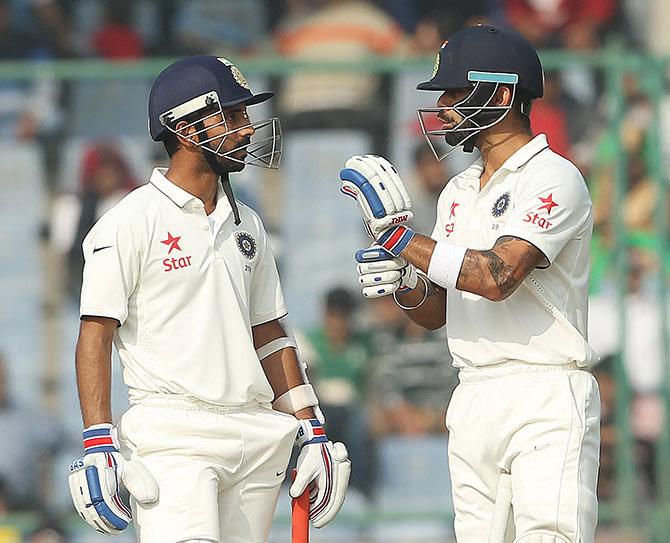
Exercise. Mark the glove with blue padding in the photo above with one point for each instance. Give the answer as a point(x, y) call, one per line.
point(95, 478)
point(382, 274)
point(325, 467)
point(375, 184)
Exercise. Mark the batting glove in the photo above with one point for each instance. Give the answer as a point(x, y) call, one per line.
point(375, 184)
point(325, 467)
point(94, 481)
point(382, 274)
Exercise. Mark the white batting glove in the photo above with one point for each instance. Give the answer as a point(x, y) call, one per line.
point(325, 467)
point(95, 478)
point(375, 184)
point(382, 274)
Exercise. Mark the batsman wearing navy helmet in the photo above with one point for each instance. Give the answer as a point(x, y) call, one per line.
point(506, 268)
point(180, 277)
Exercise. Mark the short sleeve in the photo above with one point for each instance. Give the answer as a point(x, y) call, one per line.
point(550, 208)
point(267, 298)
point(111, 268)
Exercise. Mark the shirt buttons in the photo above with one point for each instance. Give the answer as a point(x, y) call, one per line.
point(205, 227)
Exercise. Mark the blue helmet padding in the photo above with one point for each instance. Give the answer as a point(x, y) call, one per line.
point(487, 49)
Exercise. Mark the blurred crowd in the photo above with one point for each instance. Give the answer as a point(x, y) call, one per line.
point(380, 378)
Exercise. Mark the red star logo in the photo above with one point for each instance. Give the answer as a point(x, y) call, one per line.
point(452, 213)
point(547, 203)
point(172, 241)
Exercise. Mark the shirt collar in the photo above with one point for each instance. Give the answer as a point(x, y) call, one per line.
point(180, 197)
point(522, 155)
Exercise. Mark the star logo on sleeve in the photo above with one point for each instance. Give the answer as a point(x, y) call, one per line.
point(172, 242)
point(547, 203)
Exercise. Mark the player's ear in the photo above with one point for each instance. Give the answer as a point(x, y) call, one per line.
point(503, 96)
point(184, 132)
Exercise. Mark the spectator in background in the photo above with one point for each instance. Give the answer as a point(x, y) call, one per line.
point(48, 531)
point(574, 24)
point(28, 108)
point(578, 25)
point(340, 31)
point(641, 191)
point(29, 437)
point(427, 180)
point(106, 179)
point(548, 116)
point(48, 26)
point(234, 27)
point(643, 355)
point(117, 38)
point(337, 358)
point(412, 379)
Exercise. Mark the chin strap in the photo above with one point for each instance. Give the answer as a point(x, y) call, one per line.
point(228, 189)
point(223, 174)
point(469, 145)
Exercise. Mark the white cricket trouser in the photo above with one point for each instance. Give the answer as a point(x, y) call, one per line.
point(542, 425)
point(219, 470)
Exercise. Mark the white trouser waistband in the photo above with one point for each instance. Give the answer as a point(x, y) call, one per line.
point(484, 373)
point(192, 404)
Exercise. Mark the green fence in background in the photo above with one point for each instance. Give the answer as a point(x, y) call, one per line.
point(627, 509)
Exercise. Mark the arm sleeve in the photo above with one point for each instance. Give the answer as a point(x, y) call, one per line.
point(267, 298)
point(111, 268)
point(550, 209)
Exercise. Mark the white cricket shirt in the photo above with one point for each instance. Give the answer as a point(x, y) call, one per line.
point(186, 297)
point(541, 197)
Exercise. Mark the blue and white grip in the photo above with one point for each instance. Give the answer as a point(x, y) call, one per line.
point(372, 254)
point(368, 191)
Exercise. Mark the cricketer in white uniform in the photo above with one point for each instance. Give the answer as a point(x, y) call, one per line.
point(182, 280)
point(506, 268)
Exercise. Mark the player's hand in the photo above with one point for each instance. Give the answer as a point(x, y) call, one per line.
point(325, 467)
point(375, 184)
point(382, 274)
point(95, 478)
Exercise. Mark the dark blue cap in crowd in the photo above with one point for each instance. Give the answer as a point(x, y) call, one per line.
point(486, 49)
point(193, 83)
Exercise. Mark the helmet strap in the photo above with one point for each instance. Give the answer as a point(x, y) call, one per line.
point(223, 174)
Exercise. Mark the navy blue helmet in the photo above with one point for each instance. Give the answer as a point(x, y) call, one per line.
point(197, 83)
point(480, 58)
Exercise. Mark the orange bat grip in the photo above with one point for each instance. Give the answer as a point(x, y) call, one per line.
point(300, 517)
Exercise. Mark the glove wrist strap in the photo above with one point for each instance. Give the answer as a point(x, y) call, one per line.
point(395, 239)
point(100, 438)
point(311, 431)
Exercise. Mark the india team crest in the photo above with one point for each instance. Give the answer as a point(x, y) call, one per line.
point(246, 244)
point(500, 205)
point(241, 80)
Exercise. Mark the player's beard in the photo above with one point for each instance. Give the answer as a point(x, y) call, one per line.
point(456, 138)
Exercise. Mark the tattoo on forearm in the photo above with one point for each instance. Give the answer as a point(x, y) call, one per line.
point(480, 266)
point(503, 274)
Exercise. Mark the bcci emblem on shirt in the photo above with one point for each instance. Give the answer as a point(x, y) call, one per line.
point(500, 205)
point(246, 244)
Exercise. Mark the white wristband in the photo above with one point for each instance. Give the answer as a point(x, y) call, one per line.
point(445, 264)
point(295, 399)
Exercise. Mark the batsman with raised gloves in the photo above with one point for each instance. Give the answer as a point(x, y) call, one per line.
point(506, 269)
point(180, 277)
